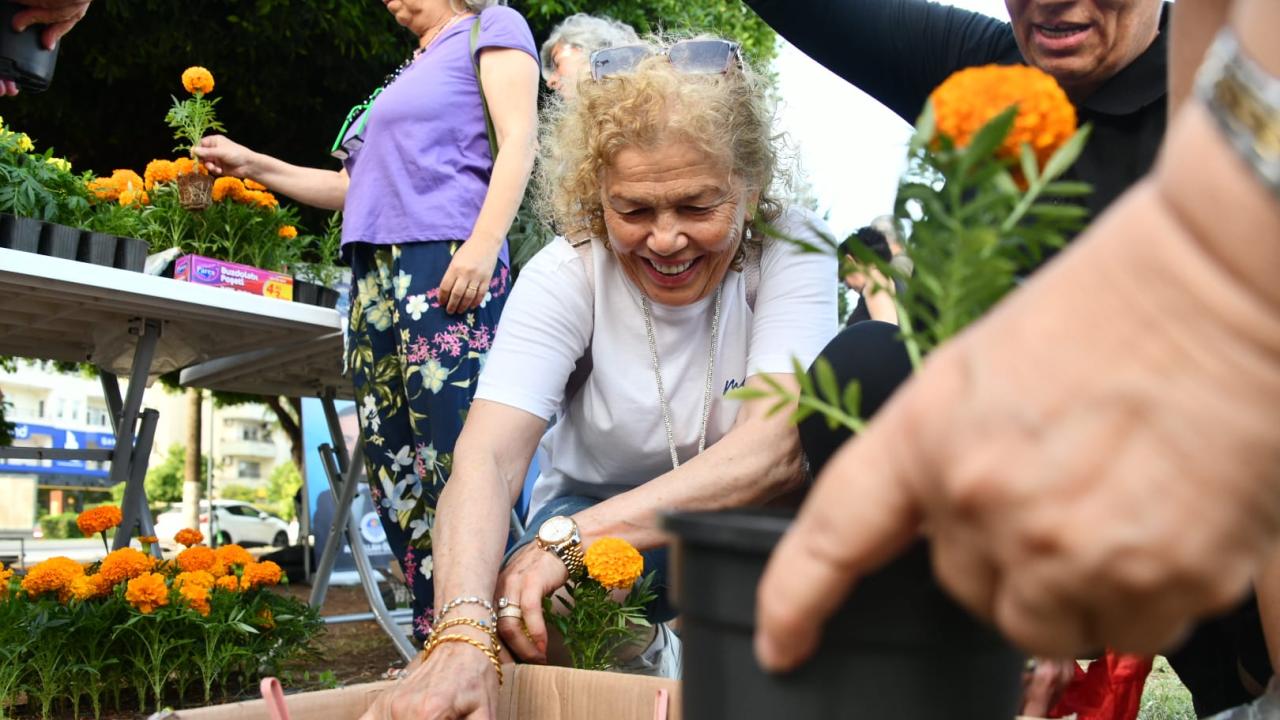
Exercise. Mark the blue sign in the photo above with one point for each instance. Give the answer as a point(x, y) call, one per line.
point(62, 439)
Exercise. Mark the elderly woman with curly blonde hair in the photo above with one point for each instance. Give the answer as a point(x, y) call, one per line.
point(667, 294)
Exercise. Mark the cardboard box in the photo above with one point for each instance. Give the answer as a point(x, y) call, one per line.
point(531, 692)
point(218, 273)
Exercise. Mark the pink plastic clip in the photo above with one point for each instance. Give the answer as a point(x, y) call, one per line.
point(273, 696)
point(660, 706)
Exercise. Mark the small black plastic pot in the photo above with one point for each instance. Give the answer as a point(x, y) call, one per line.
point(59, 241)
point(97, 248)
point(898, 648)
point(327, 297)
point(20, 233)
point(23, 57)
point(305, 292)
point(131, 254)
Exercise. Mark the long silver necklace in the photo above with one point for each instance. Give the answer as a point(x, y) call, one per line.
point(657, 375)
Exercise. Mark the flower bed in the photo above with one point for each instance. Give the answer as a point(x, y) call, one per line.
point(133, 631)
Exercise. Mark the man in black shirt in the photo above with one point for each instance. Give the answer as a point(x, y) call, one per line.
point(1111, 57)
point(1112, 64)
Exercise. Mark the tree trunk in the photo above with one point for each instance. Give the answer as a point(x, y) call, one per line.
point(289, 414)
point(192, 481)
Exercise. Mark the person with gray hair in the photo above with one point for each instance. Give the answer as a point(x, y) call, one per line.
point(567, 52)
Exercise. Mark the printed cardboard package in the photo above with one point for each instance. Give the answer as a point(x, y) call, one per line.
point(218, 273)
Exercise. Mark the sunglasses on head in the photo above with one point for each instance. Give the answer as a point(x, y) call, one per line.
point(706, 56)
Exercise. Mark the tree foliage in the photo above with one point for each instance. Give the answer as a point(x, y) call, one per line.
point(287, 72)
point(164, 481)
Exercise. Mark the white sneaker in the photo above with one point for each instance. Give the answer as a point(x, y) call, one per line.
point(664, 657)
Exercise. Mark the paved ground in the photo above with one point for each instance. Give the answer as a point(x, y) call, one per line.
point(81, 549)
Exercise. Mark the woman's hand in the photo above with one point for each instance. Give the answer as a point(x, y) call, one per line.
point(59, 16)
point(457, 682)
point(532, 574)
point(222, 156)
point(466, 282)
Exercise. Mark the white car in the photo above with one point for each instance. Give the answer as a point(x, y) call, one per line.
point(235, 522)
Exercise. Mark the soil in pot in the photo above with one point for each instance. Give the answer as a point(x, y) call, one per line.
point(131, 254)
point(898, 648)
point(20, 233)
point(305, 292)
point(23, 56)
point(327, 297)
point(97, 248)
point(195, 191)
point(59, 241)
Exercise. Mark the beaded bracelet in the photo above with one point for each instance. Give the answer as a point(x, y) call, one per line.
point(469, 600)
point(481, 625)
point(438, 641)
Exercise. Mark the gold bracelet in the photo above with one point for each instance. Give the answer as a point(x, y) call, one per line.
point(493, 656)
point(470, 622)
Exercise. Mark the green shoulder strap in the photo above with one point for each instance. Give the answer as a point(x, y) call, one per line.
point(484, 102)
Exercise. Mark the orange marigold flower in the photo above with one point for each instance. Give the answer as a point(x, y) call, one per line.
point(968, 99)
point(184, 166)
point(203, 578)
point(125, 564)
point(53, 575)
point(196, 597)
point(254, 184)
point(266, 619)
point(5, 574)
point(134, 197)
point(188, 537)
point(228, 583)
point(159, 171)
point(197, 557)
point(260, 198)
point(88, 587)
point(287, 232)
point(99, 519)
point(614, 563)
point(127, 180)
point(147, 592)
point(197, 80)
point(228, 188)
point(234, 555)
point(104, 189)
point(260, 574)
point(148, 539)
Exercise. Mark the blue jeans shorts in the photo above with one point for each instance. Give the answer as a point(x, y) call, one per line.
point(655, 560)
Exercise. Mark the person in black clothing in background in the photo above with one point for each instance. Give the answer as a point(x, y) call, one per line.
point(1111, 57)
point(875, 294)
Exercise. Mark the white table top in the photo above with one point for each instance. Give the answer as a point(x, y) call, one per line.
point(55, 309)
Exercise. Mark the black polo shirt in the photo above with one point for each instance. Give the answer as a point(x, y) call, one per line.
point(898, 51)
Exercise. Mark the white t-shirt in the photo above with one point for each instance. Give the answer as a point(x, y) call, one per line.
point(611, 436)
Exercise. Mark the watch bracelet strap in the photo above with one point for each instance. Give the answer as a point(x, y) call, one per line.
point(1244, 100)
point(573, 559)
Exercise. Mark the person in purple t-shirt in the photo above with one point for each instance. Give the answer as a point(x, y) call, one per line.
point(426, 206)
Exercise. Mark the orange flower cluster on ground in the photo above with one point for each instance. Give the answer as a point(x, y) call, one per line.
point(53, 575)
point(234, 555)
point(261, 574)
point(287, 232)
point(196, 79)
point(228, 583)
point(196, 558)
point(614, 563)
point(968, 99)
point(5, 574)
point(194, 587)
point(89, 587)
point(188, 537)
point(147, 593)
point(99, 519)
point(125, 564)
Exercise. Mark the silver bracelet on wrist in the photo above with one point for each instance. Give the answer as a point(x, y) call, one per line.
point(469, 600)
point(1244, 100)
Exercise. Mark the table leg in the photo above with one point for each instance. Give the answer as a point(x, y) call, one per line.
point(343, 494)
point(124, 455)
point(134, 506)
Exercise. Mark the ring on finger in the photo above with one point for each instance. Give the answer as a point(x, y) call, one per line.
point(511, 611)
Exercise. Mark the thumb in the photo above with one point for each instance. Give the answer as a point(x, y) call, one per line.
point(860, 514)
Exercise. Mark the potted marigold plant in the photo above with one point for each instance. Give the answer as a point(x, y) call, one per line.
point(982, 196)
point(594, 624)
point(191, 119)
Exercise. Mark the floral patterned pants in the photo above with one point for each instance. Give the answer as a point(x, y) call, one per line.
point(415, 368)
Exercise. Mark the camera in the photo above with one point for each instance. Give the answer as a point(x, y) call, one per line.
point(23, 58)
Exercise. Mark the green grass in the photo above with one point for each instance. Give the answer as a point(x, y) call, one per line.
point(1165, 698)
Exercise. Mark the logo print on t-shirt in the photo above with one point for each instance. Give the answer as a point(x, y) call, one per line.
point(731, 384)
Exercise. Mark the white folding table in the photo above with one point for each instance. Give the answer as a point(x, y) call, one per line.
point(142, 325)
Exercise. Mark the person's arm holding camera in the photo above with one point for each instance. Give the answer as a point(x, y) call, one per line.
point(58, 17)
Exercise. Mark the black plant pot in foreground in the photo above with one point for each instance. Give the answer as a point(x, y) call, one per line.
point(97, 248)
point(23, 57)
point(899, 648)
point(19, 233)
point(60, 241)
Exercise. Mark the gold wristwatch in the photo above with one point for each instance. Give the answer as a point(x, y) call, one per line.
point(559, 536)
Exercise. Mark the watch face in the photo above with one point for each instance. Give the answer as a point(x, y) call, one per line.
point(556, 530)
